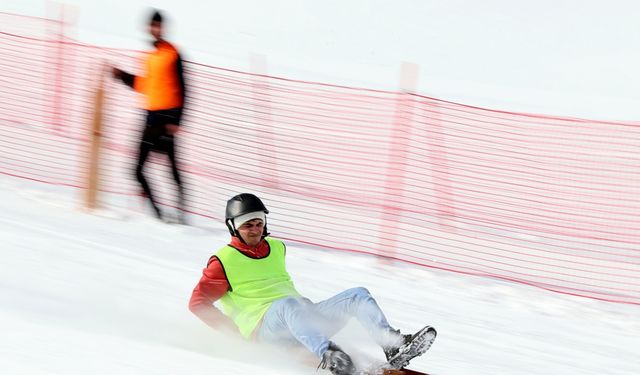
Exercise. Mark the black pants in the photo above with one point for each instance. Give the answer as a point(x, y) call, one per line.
point(156, 139)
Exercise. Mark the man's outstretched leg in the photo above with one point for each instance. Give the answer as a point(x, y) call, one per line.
point(171, 153)
point(358, 303)
point(143, 153)
point(292, 319)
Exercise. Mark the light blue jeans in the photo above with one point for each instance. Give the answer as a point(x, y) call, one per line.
point(290, 320)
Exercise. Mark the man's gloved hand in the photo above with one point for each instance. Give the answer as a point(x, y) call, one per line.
point(117, 73)
point(172, 128)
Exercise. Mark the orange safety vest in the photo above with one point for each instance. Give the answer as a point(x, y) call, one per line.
point(160, 83)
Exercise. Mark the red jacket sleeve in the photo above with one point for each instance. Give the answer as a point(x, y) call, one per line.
point(212, 286)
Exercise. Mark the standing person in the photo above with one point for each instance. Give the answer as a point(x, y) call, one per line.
point(163, 86)
point(250, 280)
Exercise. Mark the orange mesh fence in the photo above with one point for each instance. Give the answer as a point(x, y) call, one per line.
point(546, 201)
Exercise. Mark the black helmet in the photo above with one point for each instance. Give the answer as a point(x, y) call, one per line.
point(243, 204)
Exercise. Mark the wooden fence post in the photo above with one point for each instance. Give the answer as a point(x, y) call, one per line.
point(95, 140)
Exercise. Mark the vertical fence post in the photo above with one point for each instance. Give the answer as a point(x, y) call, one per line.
point(95, 140)
point(441, 174)
point(262, 119)
point(57, 94)
point(396, 165)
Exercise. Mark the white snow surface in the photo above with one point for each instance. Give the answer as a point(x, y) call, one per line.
point(107, 293)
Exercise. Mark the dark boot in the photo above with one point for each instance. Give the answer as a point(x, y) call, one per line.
point(407, 347)
point(338, 362)
point(156, 209)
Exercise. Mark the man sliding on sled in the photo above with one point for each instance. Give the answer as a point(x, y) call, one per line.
point(258, 298)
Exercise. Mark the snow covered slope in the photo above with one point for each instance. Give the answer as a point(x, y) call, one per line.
point(107, 293)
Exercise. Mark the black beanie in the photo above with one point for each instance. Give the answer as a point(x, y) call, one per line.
point(156, 17)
